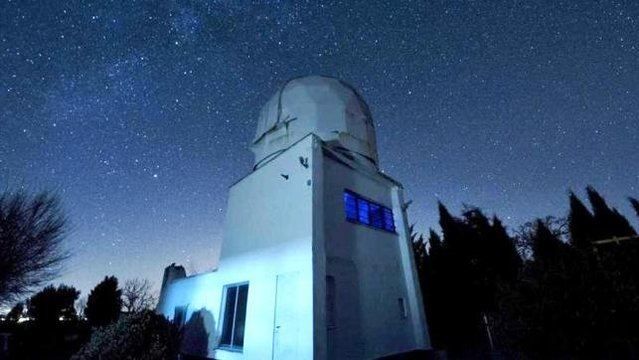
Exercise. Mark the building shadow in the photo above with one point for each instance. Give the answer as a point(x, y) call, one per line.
point(198, 334)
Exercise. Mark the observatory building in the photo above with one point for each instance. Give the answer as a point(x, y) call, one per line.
point(316, 261)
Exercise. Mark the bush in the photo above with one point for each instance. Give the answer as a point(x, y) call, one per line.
point(143, 336)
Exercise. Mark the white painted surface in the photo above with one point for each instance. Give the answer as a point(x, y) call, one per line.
point(287, 217)
point(286, 330)
point(369, 268)
point(324, 106)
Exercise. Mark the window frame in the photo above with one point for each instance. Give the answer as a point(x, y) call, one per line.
point(381, 207)
point(225, 292)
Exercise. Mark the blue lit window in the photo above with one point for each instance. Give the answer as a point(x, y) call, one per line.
point(350, 206)
point(389, 223)
point(376, 216)
point(363, 211)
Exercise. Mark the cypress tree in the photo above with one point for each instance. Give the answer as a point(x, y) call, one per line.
point(434, 291)
point(434, 242)
point(609, 222)
point(546, 246)
point(635, 204)
point(420, 253)
point(449, 224)
point(104, 302)
point(580, 223)
point(507, 258)
point(460, 322)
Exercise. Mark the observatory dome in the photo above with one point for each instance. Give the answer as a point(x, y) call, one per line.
point(324, 106)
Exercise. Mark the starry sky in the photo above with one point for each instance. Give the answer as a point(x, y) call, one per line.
point(139, 113)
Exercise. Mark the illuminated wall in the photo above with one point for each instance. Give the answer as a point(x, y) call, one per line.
point(268, 232)
point(321, 286)
point(378, 307)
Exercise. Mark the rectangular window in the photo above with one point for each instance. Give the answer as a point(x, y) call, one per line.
point(350, 206)
point(330, 303)
point(389, 223)
point(363, 207)
point(376, 216)
point(363, 211)
point(403, 312)
point(234, 316)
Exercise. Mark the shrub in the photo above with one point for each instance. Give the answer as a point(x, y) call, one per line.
point(140, 336)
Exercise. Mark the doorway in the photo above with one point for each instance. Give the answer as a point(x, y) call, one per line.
point(286, 329)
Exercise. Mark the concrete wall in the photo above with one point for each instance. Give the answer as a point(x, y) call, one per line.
point(266, 208)
point(202, 297)
point(368, 267)
point(295, 223)
point(268, 232)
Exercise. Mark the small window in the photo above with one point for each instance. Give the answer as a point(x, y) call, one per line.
point(363, 207)
point(403, 312)
point(363, 211)
point(376, 216)
point(350, 206)
point(234, 316)
point(330, 303)
point(389, 223)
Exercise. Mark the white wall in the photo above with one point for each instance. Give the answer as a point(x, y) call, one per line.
point(259, 268)
point(268, 232)
point(368, 267)
point(264, 208)
point(276, 226)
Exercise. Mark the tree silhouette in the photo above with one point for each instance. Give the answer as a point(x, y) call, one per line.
point(635, 204)
point(137, 295)
point(552, 291)
point(504, 255)
point(144, 335)
point(460, 330)
point(461, 274)
point(15, 313)
point(534, 314)
point(580, 222)
point(433, 278)
point(51, 304)
point(32, 229)
point(104, 302)
point(546, 245)
point(609, 222)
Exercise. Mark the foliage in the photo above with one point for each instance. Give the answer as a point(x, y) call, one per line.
point(554, 289)
point(137, 295)
point(104, 302)
point(608, 221)
point(473, 259)
point(53, 331)
point(51, 304)
point(138, 336)
point(15, 313)
point(580, 223)
point(32, 229)
point(635, 204)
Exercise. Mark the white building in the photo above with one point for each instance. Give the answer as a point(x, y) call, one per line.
point(316, 261)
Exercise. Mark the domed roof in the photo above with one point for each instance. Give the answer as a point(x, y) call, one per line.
point(324, 106)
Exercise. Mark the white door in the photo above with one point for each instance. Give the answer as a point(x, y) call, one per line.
point(286, 328)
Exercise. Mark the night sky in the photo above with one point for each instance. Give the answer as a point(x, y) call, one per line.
point(139, 113)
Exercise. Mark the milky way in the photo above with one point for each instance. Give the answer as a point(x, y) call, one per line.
point(139, 113)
